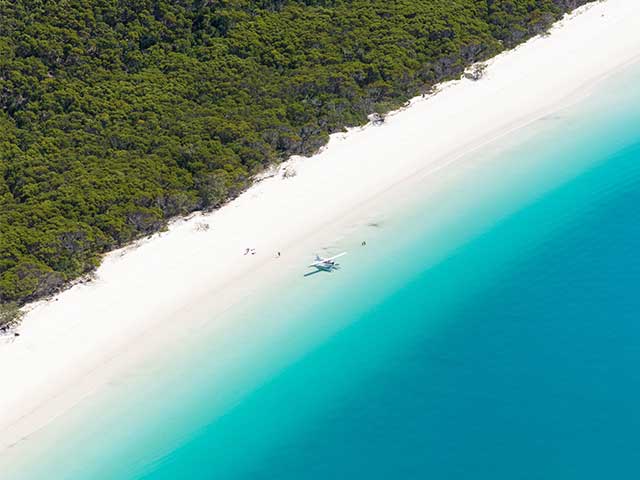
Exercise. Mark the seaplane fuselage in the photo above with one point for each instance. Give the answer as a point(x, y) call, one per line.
point(327, 264)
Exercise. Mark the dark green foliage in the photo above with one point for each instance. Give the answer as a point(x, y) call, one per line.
point(116, 115)
point(10, 315)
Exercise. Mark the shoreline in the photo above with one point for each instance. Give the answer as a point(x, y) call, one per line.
point(139, 289)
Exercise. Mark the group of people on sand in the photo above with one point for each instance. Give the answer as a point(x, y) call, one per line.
point(252, 251)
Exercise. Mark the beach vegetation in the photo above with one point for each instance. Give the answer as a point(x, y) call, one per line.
point(476, 71)
point(117, 115)
point(289, 172)
point(10, 316)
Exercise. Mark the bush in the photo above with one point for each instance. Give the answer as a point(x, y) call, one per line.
point(117, 115)
point(10, 316)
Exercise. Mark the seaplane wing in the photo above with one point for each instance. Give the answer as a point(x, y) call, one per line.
point(321, 261)
point(334, 257)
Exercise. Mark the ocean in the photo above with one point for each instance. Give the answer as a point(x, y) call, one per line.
point(488, 329)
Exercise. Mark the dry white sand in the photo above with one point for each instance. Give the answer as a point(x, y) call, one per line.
point(68, 345)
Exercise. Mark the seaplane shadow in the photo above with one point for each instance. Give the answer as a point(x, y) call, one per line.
point(322, 270)
point(312, 273)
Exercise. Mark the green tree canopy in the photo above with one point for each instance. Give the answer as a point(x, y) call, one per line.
point(116, 115)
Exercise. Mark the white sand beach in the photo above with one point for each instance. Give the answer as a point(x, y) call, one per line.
point(71, 345)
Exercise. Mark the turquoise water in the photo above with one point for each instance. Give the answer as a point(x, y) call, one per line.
point(497, 338)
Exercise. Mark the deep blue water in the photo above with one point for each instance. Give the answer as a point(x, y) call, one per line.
point(513, 354)
point(533, 376)
point(516, 357)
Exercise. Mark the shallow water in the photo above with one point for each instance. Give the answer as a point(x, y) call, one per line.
point(489, 329)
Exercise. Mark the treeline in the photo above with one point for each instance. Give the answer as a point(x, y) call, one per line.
point(116, 115)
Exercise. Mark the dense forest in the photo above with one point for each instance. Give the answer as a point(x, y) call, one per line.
point(116, 115)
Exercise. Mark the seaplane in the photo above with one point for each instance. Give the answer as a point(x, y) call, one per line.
point(323, 264)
